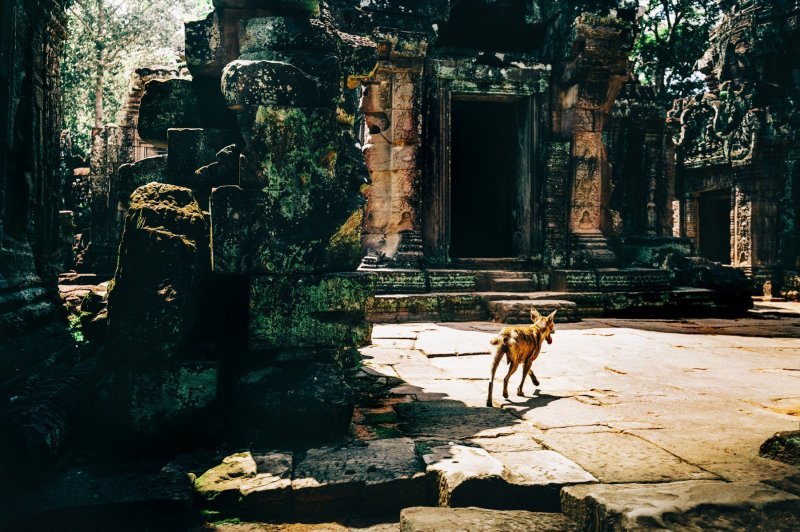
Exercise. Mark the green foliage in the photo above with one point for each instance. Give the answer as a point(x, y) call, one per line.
point(673, 35)
point(107, 40)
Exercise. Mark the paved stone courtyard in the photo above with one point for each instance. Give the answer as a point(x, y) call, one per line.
point(677, 407)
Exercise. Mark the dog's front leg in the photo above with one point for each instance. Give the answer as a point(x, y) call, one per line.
point(525, 370)
point(534, 379)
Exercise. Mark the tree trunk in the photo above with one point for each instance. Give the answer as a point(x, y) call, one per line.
point(99, 66)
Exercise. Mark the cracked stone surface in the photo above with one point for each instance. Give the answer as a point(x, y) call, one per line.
point(690, 505)
point(620, 403)
point(478, 520)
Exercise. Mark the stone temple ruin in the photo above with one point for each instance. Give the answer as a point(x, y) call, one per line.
point(329, 165)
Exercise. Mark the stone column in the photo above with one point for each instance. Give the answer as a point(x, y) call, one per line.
point(592, 76)
point(391, 106)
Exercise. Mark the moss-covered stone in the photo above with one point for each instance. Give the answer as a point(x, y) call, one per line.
point(158, 404)
point(163, 257)
point(310, 311)
point(167, 104)
point(783, 446)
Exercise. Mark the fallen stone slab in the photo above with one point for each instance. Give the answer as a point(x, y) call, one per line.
point(687, 505)
point(465, 476)
point(373, 478)
point(248, 484)
point(534, 478)
point(479, 520)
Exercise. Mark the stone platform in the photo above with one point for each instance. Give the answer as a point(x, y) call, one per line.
point(506, 296)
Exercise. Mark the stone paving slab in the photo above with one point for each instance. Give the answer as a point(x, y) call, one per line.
point(689, 505)
point(618, 457)
point(447, 342)
point(480, 520)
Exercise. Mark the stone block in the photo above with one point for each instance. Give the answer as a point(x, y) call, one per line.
point(573, 281)
point(377, 97)
point(292, 402)
point(401, 281)
point(284, 33)
point(153, 406)
point(192, 149)
point(228, 230)
point(465, 476)
point(167, 104)
point(404, 126)
point(132, 176)
point(690, 505)
point(163, 258)
point(378, 477)
point(519, 310)
point(205, 46)
point(304, 6)
point(452, 281)
point(404, 157)
point(253, 83)
point(423, 519)
point(432, 9)
point(310, 311)
point(247, 484)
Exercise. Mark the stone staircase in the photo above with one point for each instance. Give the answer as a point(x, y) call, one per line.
point(594, 248)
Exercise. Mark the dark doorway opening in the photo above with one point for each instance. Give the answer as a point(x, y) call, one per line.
point(715, 225)
point(485, 166)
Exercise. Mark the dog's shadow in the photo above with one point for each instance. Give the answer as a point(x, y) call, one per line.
point(530, 402)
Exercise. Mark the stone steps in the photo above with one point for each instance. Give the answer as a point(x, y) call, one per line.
point(518, 311)
point(513, 285)
point(475, 306)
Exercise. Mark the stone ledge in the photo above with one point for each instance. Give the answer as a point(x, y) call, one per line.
point(694, 504)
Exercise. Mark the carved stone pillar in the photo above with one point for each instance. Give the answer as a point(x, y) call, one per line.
point(391, 106)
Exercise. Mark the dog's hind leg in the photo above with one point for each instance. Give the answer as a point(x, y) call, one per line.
point(499, 351)
point(533, 378)
point(511, 371)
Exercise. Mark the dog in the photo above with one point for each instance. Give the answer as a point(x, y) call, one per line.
point(521, 345)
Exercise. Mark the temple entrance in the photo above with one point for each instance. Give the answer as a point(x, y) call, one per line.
point(485, 177)
point(715, 225)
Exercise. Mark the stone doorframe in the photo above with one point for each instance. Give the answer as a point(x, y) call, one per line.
point(453, 79)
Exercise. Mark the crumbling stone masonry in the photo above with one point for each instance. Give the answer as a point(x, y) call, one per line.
point(737, 146)
point(113, 146)
point(38, 389)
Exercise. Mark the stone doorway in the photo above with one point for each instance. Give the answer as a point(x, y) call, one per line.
point(488, 213)
point(715, 225)
point(484, 176)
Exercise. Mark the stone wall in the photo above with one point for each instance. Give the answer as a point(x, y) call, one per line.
point(741, 136)
point(36, 350)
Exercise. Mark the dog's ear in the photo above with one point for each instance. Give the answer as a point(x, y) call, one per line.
point(535, 314)
point(552, 315)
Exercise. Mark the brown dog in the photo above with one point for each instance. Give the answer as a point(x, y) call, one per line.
point(521, 345)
